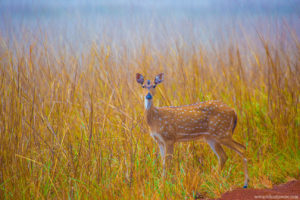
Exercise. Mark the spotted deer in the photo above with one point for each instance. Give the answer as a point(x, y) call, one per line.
point(212, 121)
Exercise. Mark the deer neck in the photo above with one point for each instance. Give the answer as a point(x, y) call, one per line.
point(148, 104)
point(151, 111)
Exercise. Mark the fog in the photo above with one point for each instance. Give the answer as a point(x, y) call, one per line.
point(80, 23)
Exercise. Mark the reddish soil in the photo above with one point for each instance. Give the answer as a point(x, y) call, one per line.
point(289, 190)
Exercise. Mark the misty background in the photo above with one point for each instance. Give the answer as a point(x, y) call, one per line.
point(79, 23)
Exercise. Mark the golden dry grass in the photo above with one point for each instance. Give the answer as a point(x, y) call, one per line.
point(73, 126)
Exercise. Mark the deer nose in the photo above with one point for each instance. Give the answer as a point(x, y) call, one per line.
point(149, 96)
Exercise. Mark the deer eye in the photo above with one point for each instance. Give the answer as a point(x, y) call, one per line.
point(154, 86)
point(143, 86)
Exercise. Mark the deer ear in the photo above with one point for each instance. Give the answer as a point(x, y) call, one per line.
point(139, 78)
point(159, 78)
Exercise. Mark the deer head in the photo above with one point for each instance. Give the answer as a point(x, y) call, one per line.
point(149, 88)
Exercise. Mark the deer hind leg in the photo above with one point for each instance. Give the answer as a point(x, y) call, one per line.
point(234, 146)
point(239, 146)
point(219, 151)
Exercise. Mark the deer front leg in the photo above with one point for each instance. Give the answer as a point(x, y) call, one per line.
point(163, 155)
point(166, 152)
point(170, 150)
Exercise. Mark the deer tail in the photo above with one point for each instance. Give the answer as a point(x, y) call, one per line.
point(234, 121)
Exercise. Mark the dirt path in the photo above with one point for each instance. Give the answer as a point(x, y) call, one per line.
point(290, 190)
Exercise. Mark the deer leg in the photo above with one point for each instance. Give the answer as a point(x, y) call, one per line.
point(169, 155)
point(232, 145)
point(219, 151)
point(239, 146)
point(163, 155)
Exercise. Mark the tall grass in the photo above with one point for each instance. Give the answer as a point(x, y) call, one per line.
point(73, 126)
